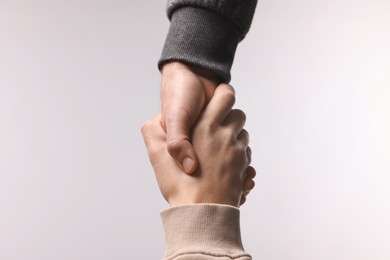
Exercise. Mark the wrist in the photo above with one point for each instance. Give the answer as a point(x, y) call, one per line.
point(187, 198)
point(209, 80)
point(206, 75)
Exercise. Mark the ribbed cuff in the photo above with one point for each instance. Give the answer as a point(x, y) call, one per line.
point(203, 229)
point(201, 38)
point(240, 12)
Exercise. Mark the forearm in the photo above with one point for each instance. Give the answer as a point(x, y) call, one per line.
point(203, 231)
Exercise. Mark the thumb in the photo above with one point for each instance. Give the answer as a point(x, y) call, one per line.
point(178, 141)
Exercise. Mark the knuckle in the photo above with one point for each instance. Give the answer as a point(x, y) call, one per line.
point(241, 114)
point(245, 133)
point(145, 126)
point(228, 87)
point(229, 96)
point(237, 115)
point(154, 151)
point(212, 127)
point(243, 136)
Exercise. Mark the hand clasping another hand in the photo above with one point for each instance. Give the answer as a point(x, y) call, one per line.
point(224, 175)
point(184, 93)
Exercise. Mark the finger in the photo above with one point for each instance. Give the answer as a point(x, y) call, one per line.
point(242, 200)
point(155, 139)
point(249, 184)
point(220, 105)
point(178, 142)
point(249, 155)
point(243, 137)
point(152, 130)
point(236, 119)
point(184, 153)
point(251, 172)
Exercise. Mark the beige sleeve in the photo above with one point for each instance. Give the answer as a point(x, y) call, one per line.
point(203, 232)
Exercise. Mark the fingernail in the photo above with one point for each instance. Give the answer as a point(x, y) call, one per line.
point(187, 164)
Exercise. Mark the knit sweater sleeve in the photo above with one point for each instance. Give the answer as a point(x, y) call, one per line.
point(205, 33)
point(203, 232)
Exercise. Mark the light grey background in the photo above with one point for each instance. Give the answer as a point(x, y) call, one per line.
point(78, 78)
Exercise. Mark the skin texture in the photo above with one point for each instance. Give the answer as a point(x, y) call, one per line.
point(224, 175)
point(185, 91)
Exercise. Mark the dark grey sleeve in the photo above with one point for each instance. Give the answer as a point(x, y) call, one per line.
point(205, 33)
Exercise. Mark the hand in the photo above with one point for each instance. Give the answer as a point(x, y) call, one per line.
point(184, 93)
point(223, 176)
